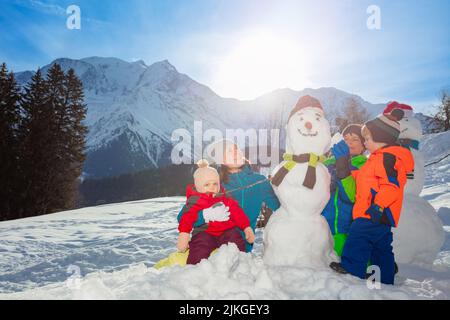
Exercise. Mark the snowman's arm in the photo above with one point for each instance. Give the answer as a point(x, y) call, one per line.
point(389, 187)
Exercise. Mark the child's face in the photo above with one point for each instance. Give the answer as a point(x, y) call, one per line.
point(233, 157)
point(210, 186)
point(370, 145)
point(354, 144)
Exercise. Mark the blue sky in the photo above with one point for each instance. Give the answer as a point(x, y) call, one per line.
point(245, 48)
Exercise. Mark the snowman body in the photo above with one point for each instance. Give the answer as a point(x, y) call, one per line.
point(297, 234)
point(419, 235)
point(416, 180)
point(411, 129)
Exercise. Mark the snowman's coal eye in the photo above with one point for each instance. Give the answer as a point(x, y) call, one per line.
point(318, 119)
point(301, 118)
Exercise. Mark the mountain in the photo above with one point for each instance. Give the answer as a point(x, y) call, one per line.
point(133, 109)
point(429, 124)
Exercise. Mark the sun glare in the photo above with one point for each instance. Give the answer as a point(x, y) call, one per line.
point(259, 63)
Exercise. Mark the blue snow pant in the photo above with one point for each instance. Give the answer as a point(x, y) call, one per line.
point(369, 241)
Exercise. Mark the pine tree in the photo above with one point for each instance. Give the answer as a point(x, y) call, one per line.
point(442, 117)
point(9, 142)
point(75, 131)
point(36, 166)
point(352, 113)
point(50, 141)
point(61, 159)
point(56, 183)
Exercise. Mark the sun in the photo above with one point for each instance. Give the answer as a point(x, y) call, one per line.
point(259, 63)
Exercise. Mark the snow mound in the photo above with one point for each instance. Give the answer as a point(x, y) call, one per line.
point(228, 274)
point(420, 236)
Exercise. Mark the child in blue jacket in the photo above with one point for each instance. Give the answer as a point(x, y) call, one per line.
point(347, 156)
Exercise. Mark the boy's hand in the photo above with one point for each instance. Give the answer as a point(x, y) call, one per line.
point(183, 241)
point(249, 235)
point(341, 152)
point(340, 149)
point(375, 212)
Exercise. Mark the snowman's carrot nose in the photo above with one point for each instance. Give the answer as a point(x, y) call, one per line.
point(308, 125)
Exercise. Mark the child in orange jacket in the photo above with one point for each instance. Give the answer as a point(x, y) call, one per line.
point(205, 193)
point(378, 202)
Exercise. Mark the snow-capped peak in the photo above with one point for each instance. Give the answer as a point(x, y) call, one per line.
point(164, 64)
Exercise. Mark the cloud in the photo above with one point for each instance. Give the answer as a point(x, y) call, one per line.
point(56, 10)
point(52, 9)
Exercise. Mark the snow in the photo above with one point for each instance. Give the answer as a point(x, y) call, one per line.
point(38, 250)
point(436, 148)
point(114, 247)
point(229, 274)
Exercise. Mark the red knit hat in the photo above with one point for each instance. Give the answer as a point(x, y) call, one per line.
point(304, 102)
point(395, 105)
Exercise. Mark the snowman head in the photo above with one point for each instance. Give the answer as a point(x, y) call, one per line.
point(307, 129)
point(410, 126)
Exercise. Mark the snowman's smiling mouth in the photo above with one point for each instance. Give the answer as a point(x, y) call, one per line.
point(404, 130)
point(312, 134)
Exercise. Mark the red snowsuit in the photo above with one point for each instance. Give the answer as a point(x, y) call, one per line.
point(196, 202)
point(216, 232)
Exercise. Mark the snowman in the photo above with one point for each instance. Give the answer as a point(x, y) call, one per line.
point(297, 234)
point(419, 235)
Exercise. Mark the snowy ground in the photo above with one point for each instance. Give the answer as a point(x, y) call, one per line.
point(107, 252)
